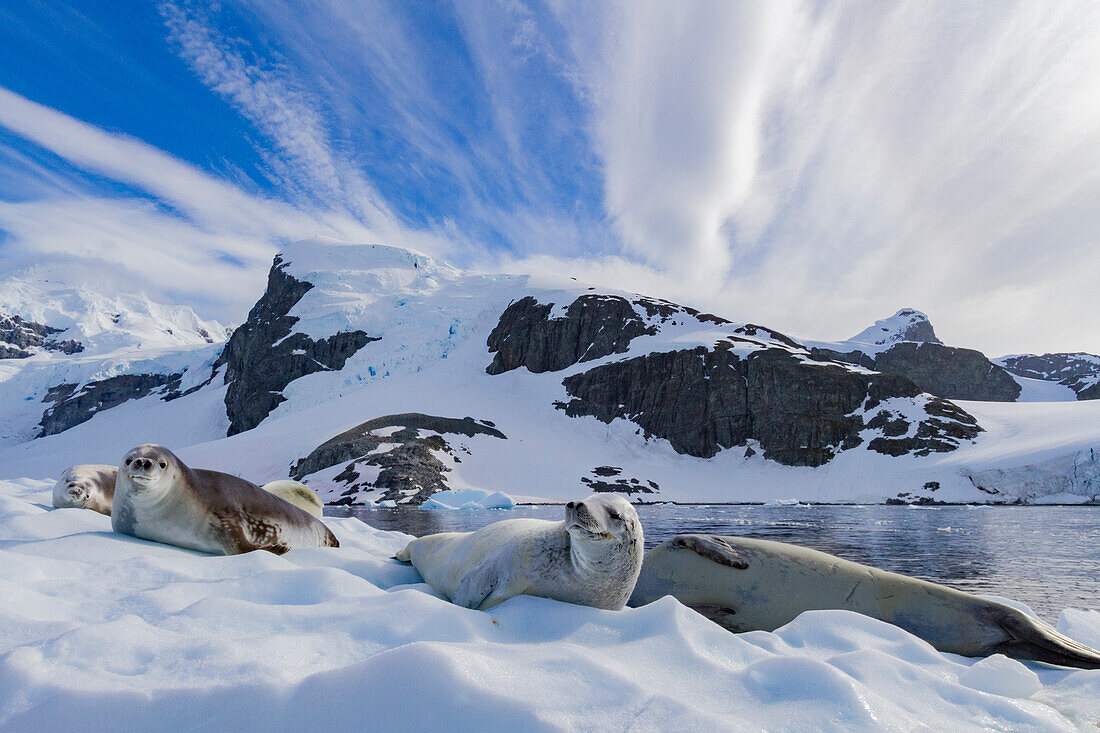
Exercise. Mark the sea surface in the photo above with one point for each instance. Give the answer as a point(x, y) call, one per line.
point(1045, 556)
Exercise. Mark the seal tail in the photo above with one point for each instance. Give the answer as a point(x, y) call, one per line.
point(1031, 639)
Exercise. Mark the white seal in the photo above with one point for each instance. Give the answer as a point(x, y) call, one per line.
point(592, 558)
point(746, 584)
point(87, 486)
point(297, 494)
point(157, 497)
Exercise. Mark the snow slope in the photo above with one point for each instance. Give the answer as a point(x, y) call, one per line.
point(104, 632)
point(433, 322)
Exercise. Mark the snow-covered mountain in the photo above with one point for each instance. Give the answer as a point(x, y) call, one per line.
point(377, 373)
point(40, 313)
point(907, 324)
point(1077, 373)
point(68, 351)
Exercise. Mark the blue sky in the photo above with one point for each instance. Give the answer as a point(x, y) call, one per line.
point(812, 167)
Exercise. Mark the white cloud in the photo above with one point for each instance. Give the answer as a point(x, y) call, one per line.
point(838, 161)
point(191, 238)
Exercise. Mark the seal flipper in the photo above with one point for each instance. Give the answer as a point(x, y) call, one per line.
point(1034, 640)
point(712, 548)
point(476, 586)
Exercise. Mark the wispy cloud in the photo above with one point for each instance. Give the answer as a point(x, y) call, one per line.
point(836, 161)
point(812, 166)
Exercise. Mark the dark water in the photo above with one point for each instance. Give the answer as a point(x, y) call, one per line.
point(1047, 557)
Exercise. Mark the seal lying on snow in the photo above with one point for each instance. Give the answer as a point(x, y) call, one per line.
point(157, 497)
point(87, 486)
point(749, 584)
point(592, 558)
point(297, 494)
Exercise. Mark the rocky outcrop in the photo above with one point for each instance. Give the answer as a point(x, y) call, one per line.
point(606, 479)
point(402, 465)
point(944, 427)
point(534, 335)
point(74, 404)
point(263, 356)
point(702, 400)
point(591, 327)
point(944, 371)
point(20, 338)
point(1078, 371)
point(949, 372)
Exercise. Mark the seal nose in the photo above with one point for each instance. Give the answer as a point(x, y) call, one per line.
point(569, 505)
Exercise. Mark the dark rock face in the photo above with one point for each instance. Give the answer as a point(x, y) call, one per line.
point(72, 407)
point(606, 479)
point(944, 371)
point(18, 338)
point(262, 358)
point(950, 372)
point(407, 468)
point(594, 326)
point(1078, 371)
point(702, 400)
point(946, 426)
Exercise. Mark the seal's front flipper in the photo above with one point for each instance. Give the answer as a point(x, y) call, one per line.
point(476, 586)
point(712, 548)
point(403, 555)
point(1032, 639)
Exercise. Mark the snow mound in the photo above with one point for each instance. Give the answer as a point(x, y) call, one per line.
point(999, 675)
point(105, 632)
point(468, 499)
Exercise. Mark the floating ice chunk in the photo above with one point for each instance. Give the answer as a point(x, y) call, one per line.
point(999, 675)
point(470, 499)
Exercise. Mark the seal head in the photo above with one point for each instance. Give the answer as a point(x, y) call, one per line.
point(86, 486)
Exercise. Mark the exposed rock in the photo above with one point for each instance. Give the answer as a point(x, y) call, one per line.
point(622, 484)
point(702, 400)
point(593, 326)
point(949, 372)
point(262, 356)
point(944, 371)
point(19, 338)
point(848, 357)
point(73, 406)
point(404, 464)
point(1078, 371)
point(944, 428)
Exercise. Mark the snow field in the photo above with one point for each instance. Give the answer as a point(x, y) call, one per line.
point(100, 631)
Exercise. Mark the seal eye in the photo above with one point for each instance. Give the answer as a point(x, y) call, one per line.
point(163, 464)
point(614, 515)
point(129, 461)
